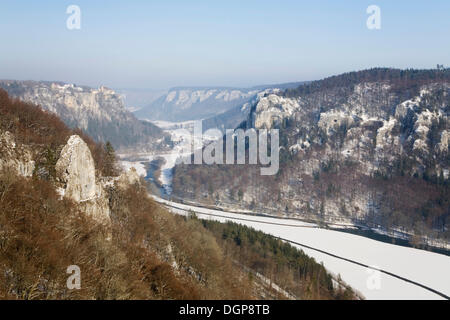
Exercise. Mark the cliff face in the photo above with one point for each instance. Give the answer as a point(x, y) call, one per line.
point(370, 125)
point(76, 170)
point(413, 120)
point(99, 112)
point(271, 110)
point(370, 151)
point(76, 176)
point(15, 157)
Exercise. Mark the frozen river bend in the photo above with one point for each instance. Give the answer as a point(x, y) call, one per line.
point(429, 271)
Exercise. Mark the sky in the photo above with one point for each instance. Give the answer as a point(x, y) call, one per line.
point(161, 44)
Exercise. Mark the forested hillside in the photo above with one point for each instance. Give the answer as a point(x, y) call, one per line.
point(283, 264)
point(137, 250)
point(369, 148)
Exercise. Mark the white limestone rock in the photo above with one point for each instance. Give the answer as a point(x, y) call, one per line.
point(17, 157)
point(271, 110)
point(333, 119)
point(75, 170)
point(127, 178)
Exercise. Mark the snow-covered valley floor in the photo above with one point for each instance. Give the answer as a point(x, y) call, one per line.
point(426, 268)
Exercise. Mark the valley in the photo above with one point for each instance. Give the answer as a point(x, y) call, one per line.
point(378, 261)
point(226, 159)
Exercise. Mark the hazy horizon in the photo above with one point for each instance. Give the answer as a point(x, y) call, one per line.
point(159, 45)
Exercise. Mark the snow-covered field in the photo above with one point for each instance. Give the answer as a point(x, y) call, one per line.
point(427, 268)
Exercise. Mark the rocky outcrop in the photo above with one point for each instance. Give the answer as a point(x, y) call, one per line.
point(128, 178)
point(75, 170)
point(271, 110)
point(16, 157)
point(76, 176)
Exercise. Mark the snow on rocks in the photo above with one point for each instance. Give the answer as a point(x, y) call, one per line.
point(273, 109)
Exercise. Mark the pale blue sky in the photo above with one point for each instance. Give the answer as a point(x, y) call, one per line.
point(160, 44)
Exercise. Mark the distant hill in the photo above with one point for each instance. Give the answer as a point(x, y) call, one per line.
point(195, 103)
point(99, 112)
point(136, 99)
